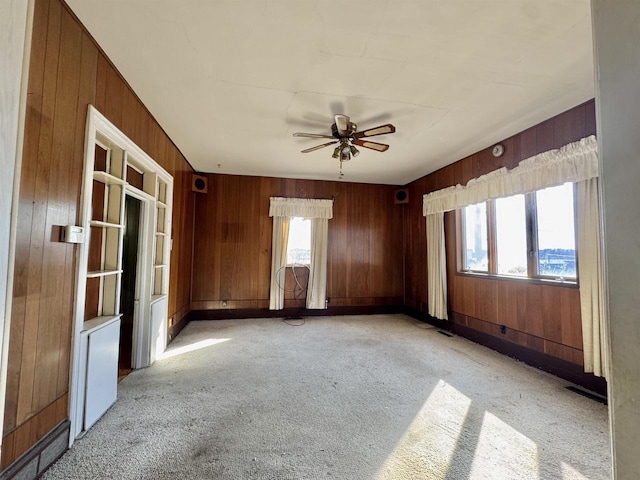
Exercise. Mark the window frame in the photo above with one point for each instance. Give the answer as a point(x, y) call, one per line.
point(531, 219)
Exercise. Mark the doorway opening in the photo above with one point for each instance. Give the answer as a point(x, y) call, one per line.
point(122, 281)
point(129, 288)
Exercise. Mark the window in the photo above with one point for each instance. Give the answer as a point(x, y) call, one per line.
point(475, 228)
point(556, 232)
point(530, 235)
point(299, 243)
point(511, 236)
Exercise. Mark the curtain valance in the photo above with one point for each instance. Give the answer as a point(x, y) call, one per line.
point(300, 207)
point(574, 162)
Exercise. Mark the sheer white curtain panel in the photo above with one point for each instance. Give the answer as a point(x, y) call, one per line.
point(317, 285)
point(591, 279)
point(279, 241)
point(436, 267)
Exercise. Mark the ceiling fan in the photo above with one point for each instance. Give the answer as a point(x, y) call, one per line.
point(343, 133)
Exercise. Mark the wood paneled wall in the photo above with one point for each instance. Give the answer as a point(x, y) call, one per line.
point(232, 250)
point(540, 317)
point(67, 73)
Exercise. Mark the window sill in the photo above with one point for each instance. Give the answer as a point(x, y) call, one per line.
point(529, 280)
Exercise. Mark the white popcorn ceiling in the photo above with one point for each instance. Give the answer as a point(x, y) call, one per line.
point(230, 81)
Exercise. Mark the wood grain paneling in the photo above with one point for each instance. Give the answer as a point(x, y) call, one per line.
point(22, 438)
point(544, 318)
point(232, 249)
point(68, 72)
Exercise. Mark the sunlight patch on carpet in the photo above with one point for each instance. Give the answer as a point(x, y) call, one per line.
point(174, 352)
point(430, 441)
point(570, 473)
point(504, 451)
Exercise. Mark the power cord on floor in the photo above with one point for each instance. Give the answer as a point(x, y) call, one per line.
point(287, 320)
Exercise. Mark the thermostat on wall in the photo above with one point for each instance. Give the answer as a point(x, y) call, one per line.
point(72, 234)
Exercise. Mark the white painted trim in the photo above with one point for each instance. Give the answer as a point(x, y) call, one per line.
point(99, 125)
point(15, 53)
point(142, 311)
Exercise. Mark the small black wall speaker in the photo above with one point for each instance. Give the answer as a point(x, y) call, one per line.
point(199, 183)
point(401, 196)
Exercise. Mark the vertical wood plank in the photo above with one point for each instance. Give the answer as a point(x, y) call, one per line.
point(486, 305)
point(37, 240)
point(552, 313)
point(530, 317)
point(26, 208)
point(507, 304)
point(54, 308)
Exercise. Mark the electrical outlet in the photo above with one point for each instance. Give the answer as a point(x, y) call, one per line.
point(503, 329)
point(224, 303)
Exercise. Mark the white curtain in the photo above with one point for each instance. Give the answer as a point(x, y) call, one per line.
point(436, 266)
point(319, 212)
point(574, 162)
point(317, 286)
point(279, 241)
point(591, 278)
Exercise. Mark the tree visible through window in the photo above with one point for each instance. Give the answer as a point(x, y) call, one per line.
point(299, 243)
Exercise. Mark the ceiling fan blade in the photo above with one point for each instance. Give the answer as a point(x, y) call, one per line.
point(380, 147)
point(342, 123)
point(372, 132)
point(318, 147)
point(312, 135)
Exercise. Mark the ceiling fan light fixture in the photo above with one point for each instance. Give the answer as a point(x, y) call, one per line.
point(344, 133)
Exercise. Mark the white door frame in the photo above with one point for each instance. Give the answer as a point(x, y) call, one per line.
point(140, 355)
point(99, 126)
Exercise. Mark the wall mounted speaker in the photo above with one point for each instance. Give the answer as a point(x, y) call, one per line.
point(401, 196)
point(199, 183)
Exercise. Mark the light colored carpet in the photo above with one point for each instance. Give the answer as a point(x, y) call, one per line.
point(354, 397)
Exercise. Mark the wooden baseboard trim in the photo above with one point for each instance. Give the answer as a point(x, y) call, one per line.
point(556, 366)
point(41, 456)
point(234, 314)
point(177, 327)
point(425, 317)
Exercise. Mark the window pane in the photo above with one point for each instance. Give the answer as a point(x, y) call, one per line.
point(511, 236)
point(475, 228)
point(556, 233)
point(299, 244)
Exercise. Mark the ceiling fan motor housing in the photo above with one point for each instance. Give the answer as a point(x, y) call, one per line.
point(351, 130)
